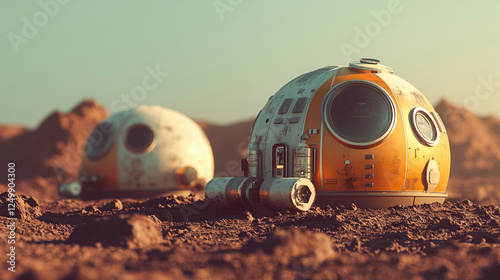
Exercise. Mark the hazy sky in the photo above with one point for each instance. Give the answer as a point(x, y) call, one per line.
point(221, 60)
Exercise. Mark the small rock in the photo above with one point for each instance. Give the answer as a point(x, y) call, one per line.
point(467, 202)
point(338, 218)
point(354, 207)
point(155, 219)
point(113, 205)
point(92, 209)
point(250, 218)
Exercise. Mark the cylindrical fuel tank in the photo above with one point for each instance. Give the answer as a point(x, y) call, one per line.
point(232, 191)
point(288, 193)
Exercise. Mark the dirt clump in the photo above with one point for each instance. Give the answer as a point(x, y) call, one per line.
point(128, 231)
point(116, 204)
point(25, 208)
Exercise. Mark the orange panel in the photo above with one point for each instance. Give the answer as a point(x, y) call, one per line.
point(418, 153)
point(389, 156)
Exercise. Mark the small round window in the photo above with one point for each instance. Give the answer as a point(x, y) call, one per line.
point(139, 138)
point(359, 113)
point(424, 126)
point(100, 140)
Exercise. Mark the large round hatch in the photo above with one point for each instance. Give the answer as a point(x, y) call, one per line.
point(359, 113)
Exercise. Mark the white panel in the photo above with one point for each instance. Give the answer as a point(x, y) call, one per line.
point(267, 133)
point(180, 143)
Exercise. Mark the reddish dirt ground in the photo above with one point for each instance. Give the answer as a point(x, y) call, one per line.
point(171, 237)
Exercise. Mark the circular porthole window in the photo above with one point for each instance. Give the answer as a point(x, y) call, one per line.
point(424, 126)
point(359, 113)
point(139, 138)
point(100, 140)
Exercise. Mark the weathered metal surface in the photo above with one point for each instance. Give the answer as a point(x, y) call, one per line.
point(392, 163)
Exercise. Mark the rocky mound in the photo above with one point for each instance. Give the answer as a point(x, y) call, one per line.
point(9, 131)
point(51, 154)
point(474, 141)
point(475, 154)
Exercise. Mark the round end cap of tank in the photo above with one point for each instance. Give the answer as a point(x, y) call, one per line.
point(70, 190)
point(303, 194)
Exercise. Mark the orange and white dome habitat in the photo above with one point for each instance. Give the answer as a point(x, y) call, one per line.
point(343, 135)
point(147, 150)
